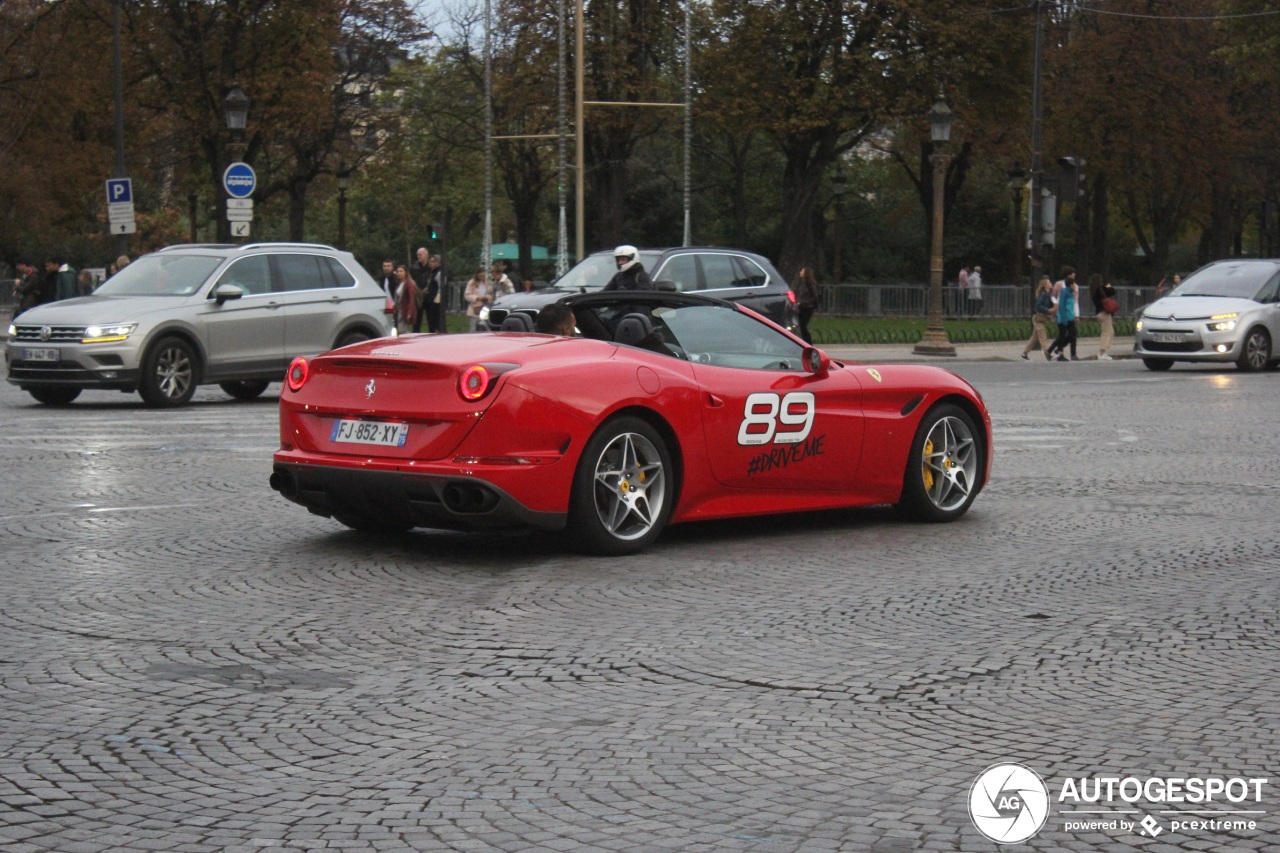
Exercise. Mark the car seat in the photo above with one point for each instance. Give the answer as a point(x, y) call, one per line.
point(517, 321)
point(633, 329)
point(637, 330)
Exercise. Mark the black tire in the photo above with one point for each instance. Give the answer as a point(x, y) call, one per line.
point(623, 491)
point(364, 524)
point(944, 468)
point(247, 389)
point(170, 373)
point(1255, 350)
point(53, 395)
point(1157, 364)
point(351, 338)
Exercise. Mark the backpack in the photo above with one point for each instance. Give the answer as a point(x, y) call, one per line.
point(1044, 303)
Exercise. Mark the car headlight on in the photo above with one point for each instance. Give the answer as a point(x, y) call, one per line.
point(13, 330)
point(484, 313)
point(1138, 325)
point(1222, 322)
point(107, 334)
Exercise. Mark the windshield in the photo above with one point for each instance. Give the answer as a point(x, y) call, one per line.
point(1244, 280)
point(595, 271)
point(160, 275)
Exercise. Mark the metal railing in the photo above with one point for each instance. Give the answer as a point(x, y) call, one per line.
point(912, 300)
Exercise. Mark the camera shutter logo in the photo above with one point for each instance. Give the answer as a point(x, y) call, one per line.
point(1008, 803)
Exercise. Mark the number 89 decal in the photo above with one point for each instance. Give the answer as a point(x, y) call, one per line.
point(767, 418)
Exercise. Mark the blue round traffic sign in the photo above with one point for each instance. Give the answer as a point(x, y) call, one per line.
point(239, 180)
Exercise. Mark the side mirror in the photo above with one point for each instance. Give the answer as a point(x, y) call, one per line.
point(815, 360)
point(665, 286)
point(227, 292)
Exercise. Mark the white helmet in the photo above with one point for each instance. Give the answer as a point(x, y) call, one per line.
point(625, 256)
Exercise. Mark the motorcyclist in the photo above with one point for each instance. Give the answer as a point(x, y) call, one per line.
point(630, 274)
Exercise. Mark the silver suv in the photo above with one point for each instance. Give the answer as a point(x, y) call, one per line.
point(197, 314)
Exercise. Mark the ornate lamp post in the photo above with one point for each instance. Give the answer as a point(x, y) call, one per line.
point(236, 108)
point(935, 340)
point(344, 180)
point(1017, 183)
point(838, 186)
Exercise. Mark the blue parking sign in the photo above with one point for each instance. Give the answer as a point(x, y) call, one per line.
point(120, 191)
point(239, 180)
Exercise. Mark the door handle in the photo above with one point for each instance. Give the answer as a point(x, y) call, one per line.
point(713, 401)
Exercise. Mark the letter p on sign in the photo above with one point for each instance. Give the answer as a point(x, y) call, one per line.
point(120, 191)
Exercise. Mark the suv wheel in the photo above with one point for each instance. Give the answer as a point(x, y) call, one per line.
point(168, 374)
point(53, 395)
point(248, 389)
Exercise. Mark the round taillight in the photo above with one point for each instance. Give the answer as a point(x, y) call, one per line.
point(474, 383)
point(297, 375)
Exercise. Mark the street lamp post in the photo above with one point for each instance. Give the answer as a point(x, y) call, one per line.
point(838, 187)
point(1017, 183)
point(344, 179)
point(935, 340)
point(236, 108)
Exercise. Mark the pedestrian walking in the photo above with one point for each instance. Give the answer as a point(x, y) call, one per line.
point(1067, 293)
point(406, 312)
point(387, 279)
point(975, 291)
point(962, 291)
point(29, 291)
point(438, 281)
point(420, 272)
point(1105, 305)
point(478, 295)
point(807, 295)
point(1041, 311)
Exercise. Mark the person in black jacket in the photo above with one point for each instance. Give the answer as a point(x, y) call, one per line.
point(630, 274)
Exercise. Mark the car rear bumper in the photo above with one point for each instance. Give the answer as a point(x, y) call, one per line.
point(450, 502)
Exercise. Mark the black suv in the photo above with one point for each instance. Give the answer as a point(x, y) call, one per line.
point(731, 274)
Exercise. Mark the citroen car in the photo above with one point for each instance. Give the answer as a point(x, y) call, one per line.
point(1228, 311)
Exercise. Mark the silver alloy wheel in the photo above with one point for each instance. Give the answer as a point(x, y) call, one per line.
point(630, 486)
point(174, 372)
point(950, 463)
point(1257, 350)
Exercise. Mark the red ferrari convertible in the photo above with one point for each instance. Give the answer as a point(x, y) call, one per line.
point(664, 408)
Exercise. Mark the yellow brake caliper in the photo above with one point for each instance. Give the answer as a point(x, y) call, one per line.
point(928, 474)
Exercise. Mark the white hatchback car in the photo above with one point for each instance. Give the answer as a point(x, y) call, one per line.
point(197, 314)
point(1228, 311)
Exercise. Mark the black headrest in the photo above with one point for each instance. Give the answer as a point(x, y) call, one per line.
point(632, 329)
point(517, 321)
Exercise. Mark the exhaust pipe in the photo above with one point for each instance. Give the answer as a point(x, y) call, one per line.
point(468, 498)
point(282, 481)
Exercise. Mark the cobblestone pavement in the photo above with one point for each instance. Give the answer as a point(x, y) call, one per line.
point(190, 663)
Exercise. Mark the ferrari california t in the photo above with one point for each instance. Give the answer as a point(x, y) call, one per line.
point(664, 408)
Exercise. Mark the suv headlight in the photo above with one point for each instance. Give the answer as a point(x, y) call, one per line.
point(484, 313)
point(107, 334)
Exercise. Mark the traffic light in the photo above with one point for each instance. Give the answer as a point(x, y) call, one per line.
point(1072, 183)
point(437, 231)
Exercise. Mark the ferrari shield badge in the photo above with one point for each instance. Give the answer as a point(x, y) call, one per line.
point(873, 373)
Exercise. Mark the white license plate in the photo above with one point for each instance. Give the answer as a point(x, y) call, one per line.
point(370, 432)
point(40, 355)
point(1165, 338)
